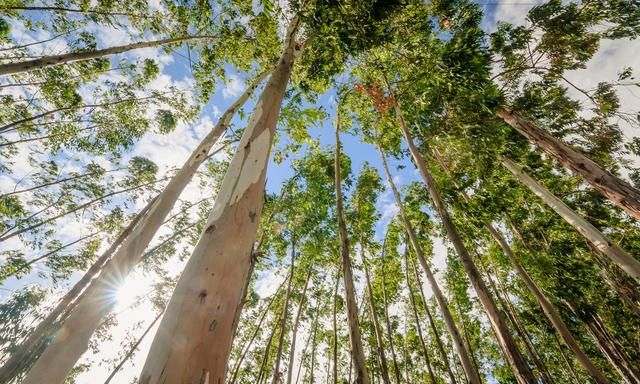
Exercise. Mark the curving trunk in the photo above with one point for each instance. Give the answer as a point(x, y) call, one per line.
point(618, 191)
point(194, 338)
point(67, 347)
point(624, 260)
point(357, 351)
point(49, 61)
point(292, 349)
point(510, 350)
point(461, 348)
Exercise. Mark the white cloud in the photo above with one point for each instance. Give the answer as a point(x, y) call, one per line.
point(233, 87)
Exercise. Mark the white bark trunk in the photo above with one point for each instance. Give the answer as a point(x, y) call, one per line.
point(72, 339)
point(624, 260)
point(194, 338)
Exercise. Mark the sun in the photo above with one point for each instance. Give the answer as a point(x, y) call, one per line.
point(132, 290)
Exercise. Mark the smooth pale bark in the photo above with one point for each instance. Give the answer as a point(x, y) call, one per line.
point(132, 350)
point(292, 348)
point(414, 307)
point(618, 191)
point(624, 260)
point(236, 367)
point(357, 351)
point(313, 349)
point(434, 329)
point(609, 347)
point(267, 349)
point(384, 368)
point(387, 321)
point(547, 307)
point(335, 332)
point(48, 61)
point(512, 354)
point(194, 338)
point(23, 356)
point(472, 375)
point(72, 341)
point(277, 376)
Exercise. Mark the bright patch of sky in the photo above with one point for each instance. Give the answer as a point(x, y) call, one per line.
point(169, 151)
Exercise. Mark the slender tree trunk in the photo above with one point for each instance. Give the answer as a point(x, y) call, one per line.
point(133, 349)
point(313, 349)
point(236, 367)
point(384, 368)
point(28, 264)
point(335, 331)
point(65, 349)
point(14, 231)
point(277, 377)
point(292, 349)
point(14, 124)
point(194, 338)
point(434, 329)
point(412, 299)
point(60, 181)
point(461, 348)
point(48, 61)
point(548, 308)
point(520, 331)
point(267, 349)
point(624, 260)
point(387, 321)
point(31, 347)
point(618, 191)
point(362, 374)
point(606, 345)
point(510, 350)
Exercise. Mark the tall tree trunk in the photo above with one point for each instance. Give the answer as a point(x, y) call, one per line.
point(277, 377)
point(132, 350)
point(194, 338)
point(384, 368)
point(362, 374)
point(236, 367)
point(412, 299)
point(548, 308)
point(267, 350)
point(294, 331)
point(618, 191)
point(434, 329)
point(35, 342)
point(66, 348)
point(510, 350)
point(461, 348)
point(313, 349)
point(624, 260)
point(48, 61)
point(387, 321)
point(607, 346)
point(335, 330)
point(510, 313)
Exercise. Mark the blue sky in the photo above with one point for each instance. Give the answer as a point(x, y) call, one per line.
point(172, 150)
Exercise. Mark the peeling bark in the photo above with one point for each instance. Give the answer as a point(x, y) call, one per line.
point(67, 346)
point(624, 260)
point(196, 333)
point(618, 191)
